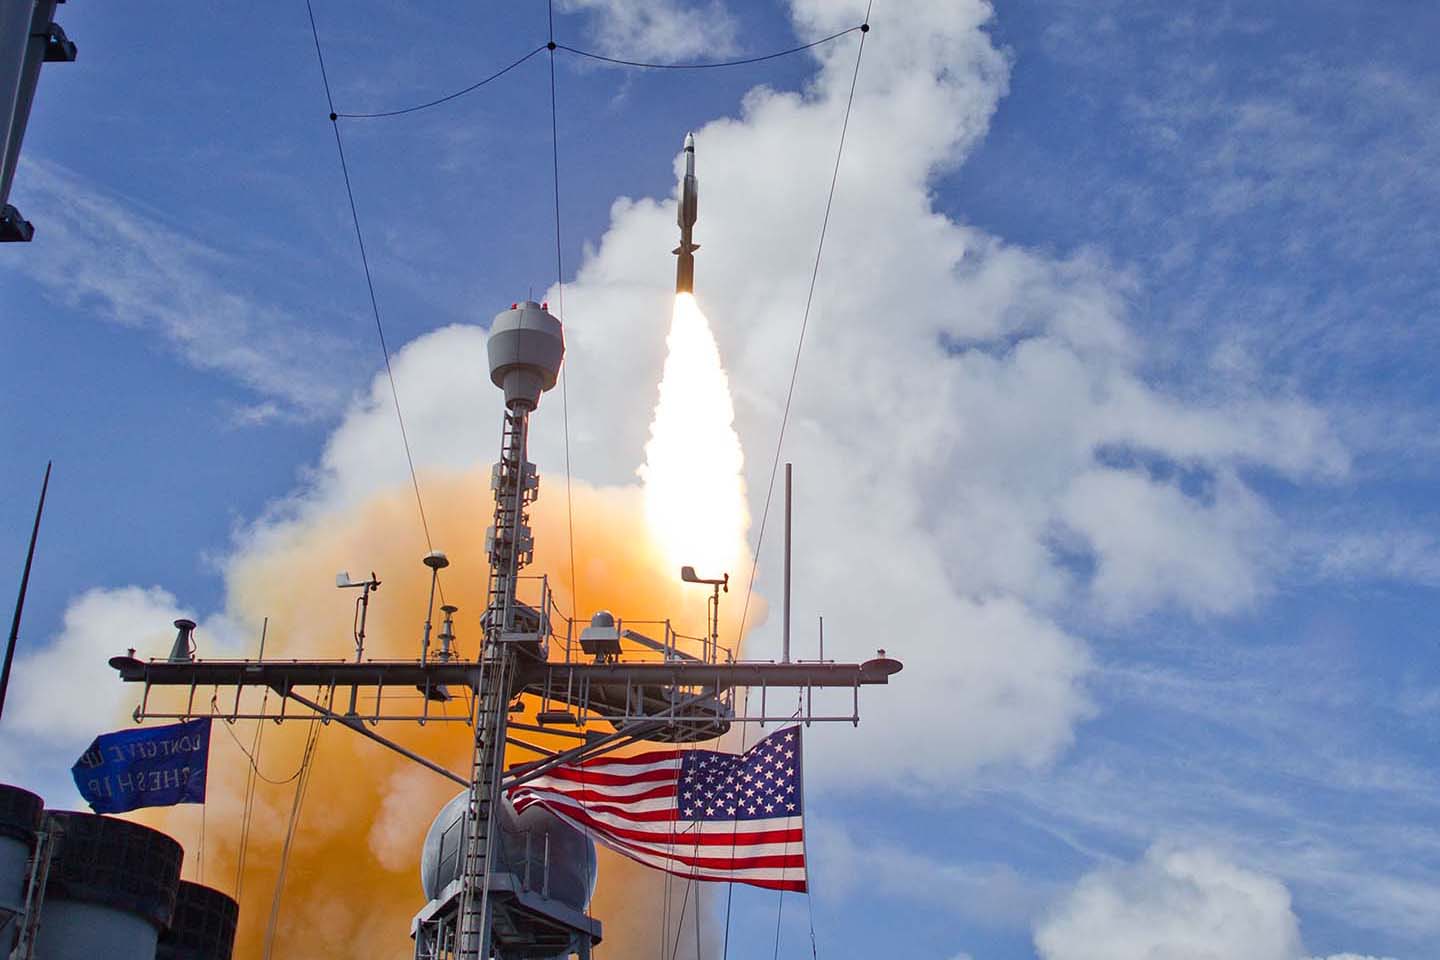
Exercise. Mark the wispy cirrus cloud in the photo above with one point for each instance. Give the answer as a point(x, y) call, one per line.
point(667, 29)
point(124, 262)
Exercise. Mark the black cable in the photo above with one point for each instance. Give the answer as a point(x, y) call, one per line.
point(713, 65)
point(680, 924)
point(864, 28)
point(254, 763)
point(560, 298)
point(445, 99)
point(370, 286)
point(794, 373)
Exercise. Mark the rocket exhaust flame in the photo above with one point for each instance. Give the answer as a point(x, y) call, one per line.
point(694, 489)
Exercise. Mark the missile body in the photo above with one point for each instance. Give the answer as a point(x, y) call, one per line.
point(689, 200)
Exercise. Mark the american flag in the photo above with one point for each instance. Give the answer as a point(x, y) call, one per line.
point(693, 813)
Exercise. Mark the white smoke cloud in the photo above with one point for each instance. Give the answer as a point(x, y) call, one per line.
point(411, 795)
point(979, 445)
point(1175, 903)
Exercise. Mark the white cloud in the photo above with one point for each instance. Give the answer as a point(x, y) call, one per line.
point(666, 30)
point(1174, 904)
point(64, 693)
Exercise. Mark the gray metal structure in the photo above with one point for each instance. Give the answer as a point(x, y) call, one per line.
point(109, 888)
point(601, 684)
point(29, 37)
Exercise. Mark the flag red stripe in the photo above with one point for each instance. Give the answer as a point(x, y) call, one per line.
point(728, 837)
point(632, 805)
point(700, 866)
point(669, 775)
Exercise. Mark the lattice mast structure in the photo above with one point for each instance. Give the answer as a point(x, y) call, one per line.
point(526, 347)
point(609, 683)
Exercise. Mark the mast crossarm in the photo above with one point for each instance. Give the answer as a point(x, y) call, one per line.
point(285, 674)
point(718, 676)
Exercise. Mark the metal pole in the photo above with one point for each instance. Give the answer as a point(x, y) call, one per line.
point(785, 647)
point(429, 613)
point(24, 585)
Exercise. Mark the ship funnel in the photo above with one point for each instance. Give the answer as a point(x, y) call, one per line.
point(184, 648)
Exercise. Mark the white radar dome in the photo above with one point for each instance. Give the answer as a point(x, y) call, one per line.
point(526, 347)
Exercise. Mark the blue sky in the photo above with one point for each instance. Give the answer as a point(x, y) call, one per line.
point(1119, 388)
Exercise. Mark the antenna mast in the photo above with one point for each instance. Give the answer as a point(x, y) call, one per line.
point(613, 683)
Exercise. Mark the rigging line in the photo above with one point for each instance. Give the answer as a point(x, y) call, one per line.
point(864, 28)
point(248, 808)
point(247, 817)
point(805, 847)
point(370, 286)
point(439, 100)
point(780, 902)
point(669, 878)
point(730, 887)
point(560, 297)
point(306, 765)
point(712, 65)
point(680, 923)
point(591, 862)
point(254, 764)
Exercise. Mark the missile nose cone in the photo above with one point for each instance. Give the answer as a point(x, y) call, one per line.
point(690, 142)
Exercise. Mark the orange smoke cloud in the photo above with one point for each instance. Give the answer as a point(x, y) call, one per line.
point(352, 884)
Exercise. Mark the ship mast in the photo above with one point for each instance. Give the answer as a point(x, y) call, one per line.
point(526, 347)
point(602, 685)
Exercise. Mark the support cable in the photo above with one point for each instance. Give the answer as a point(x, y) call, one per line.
point(254, 758)
point(680, 923)
point(734, 830)
point(252, 777)
point(864, 28)
point(439, 100)
point(306, 767)
point(370, 286)
point(711, 65)
point(551, 45)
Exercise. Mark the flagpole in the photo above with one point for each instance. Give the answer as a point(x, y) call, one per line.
point(24, 584)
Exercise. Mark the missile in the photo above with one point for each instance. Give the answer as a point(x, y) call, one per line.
point(689, 200)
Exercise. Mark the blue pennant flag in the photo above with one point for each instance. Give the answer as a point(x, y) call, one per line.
point(145, 767)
